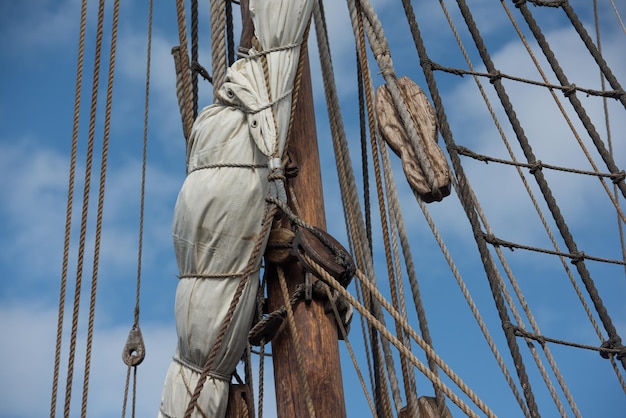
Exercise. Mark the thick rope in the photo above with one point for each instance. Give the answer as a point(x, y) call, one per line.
point(100, 210)
point(70, 198)
point(85, 210)
point(218, 44)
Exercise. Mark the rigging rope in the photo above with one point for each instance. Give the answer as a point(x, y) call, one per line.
point(194, 57)
point(70, 197)
point(218, 44)
point(85, 211)
point(103, 170)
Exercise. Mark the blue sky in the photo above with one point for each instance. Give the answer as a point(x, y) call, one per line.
point(38, 67)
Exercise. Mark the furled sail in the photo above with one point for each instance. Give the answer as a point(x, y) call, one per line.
point(235, 144)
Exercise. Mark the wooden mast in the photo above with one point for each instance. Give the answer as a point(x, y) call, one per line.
point(318, 331)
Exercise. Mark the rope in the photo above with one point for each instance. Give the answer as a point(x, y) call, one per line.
point(194, 56)
point(619, 18)
point(576, 257)
point(103, 169)
point(613, 94)
point(218, 44)
point(539, 165)
point(68, 216)
point(383, 215)
point(186, 98)
point(520, 332)
point(85, 210)
point(230, 37)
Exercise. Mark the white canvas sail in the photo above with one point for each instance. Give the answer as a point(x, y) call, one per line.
point(220, 207)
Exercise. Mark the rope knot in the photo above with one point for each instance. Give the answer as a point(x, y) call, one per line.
point(612, 346)
point(495, 76)
point(519, 3)
point(577, 258)
point(426, 64)
point(537, 165)
point(569, 90)
point(619, 177)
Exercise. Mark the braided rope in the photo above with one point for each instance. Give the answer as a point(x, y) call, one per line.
point(85, 209)
point(218, 44)
point(100, 210)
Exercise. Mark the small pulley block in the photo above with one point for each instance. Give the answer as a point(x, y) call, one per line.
point(322, 248)
point(134, 349)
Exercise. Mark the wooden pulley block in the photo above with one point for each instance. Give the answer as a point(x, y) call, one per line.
point(395, 134)
point(322, 248)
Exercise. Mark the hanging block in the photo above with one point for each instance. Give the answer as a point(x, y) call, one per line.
point(395, 134)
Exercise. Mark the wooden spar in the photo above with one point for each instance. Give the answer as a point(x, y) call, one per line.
point(318, 332)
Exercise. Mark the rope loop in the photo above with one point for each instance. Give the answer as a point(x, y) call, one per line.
point(519, 3)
